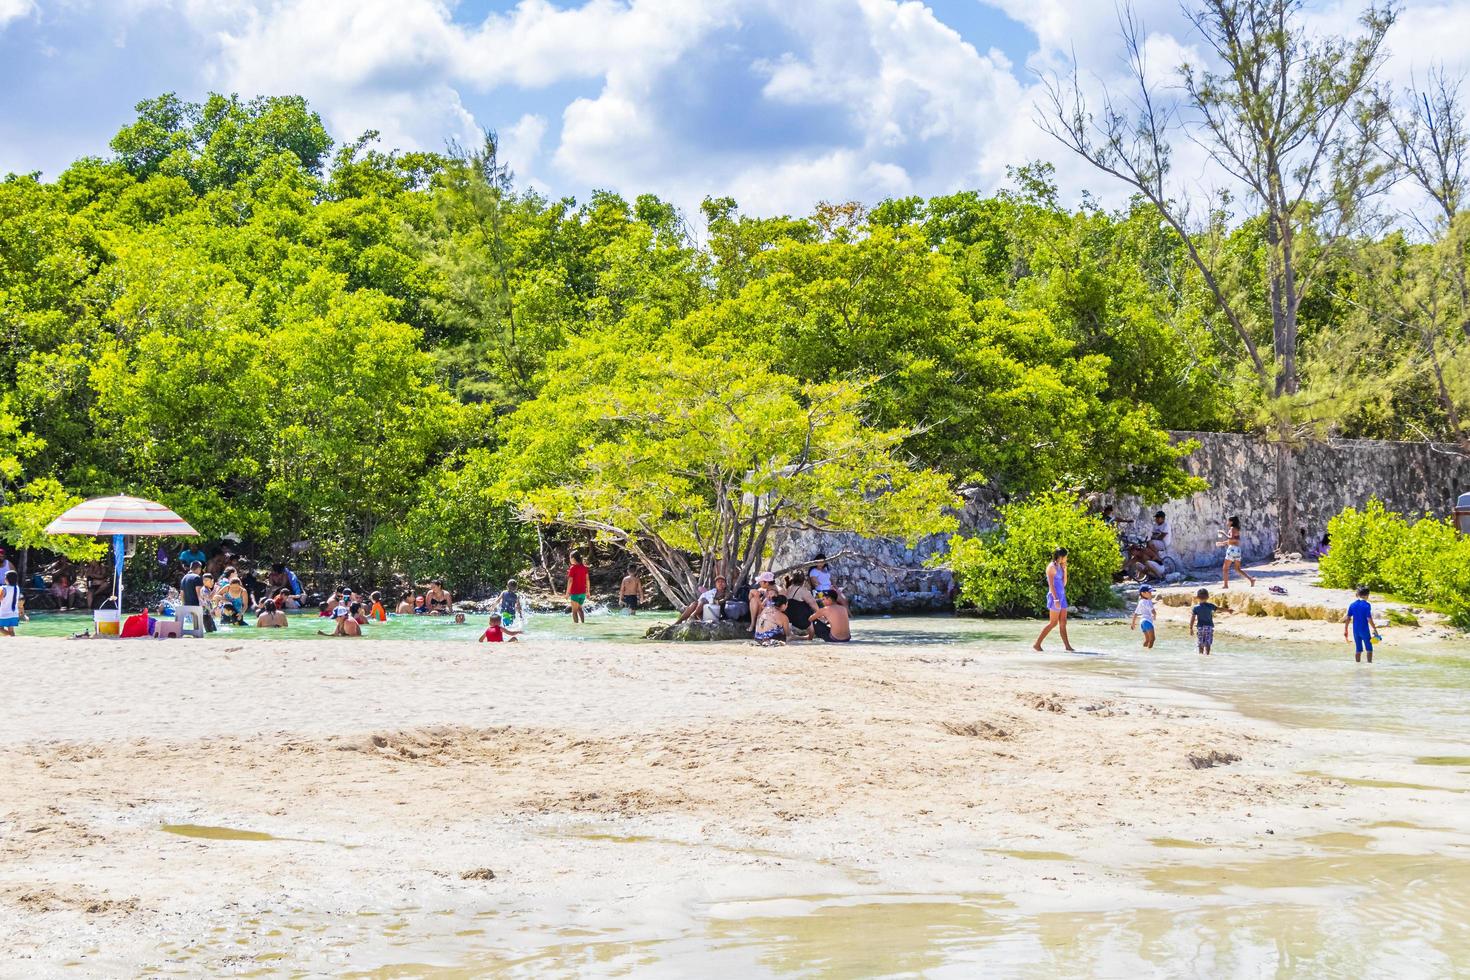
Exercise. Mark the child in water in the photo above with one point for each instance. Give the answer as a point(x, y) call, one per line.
point(495, 633)
point(1143, 614)
point(509, 604)
point(1365, 631)
point(1202, 621)
point(377, 611)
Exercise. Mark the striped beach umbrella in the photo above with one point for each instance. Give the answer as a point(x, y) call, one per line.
point(134, 516)
point(121, 517)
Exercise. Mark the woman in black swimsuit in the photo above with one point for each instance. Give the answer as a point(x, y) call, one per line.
point(800, 604)
point(438, 600)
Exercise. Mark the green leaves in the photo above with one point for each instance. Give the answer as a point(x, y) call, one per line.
point(671, 447)
point(1425, 560)
point(1002, 572)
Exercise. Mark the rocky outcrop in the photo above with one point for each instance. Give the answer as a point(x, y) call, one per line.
point(692, 632)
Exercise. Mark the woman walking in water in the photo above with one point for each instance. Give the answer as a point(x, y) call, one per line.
point(1056, 600)
point(1230, 538)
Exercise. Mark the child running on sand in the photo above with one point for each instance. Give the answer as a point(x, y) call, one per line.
point(1143, 614)
point(1365, 631)
point(1202, 622)
point(1230, 538)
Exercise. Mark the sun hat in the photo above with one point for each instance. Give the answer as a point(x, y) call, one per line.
point(766, 577)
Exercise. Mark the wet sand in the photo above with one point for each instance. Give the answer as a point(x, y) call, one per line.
point(279, 805)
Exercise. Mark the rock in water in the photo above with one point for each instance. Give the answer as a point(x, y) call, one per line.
point(697, 632)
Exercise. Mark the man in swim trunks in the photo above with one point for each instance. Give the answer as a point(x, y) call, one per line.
point(577, 576)
point(831, 623)
point(631, 592)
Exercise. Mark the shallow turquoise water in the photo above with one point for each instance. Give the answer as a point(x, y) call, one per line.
point(304, 626)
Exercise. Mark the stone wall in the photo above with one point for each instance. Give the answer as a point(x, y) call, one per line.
point(1414, 478)
point(1410, 477)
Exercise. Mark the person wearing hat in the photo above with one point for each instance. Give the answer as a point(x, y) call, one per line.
point(1143, 615)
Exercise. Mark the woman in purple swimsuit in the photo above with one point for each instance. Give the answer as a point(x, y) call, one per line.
point(1056, 599)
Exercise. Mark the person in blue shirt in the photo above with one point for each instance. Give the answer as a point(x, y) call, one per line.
point(192, 554)
point(1360, 621)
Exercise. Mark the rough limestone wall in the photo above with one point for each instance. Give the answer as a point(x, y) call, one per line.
point(1414, 478)
point(1411, 477)
point(884, 574)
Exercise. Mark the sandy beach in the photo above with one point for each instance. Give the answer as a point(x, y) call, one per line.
point(530, 789)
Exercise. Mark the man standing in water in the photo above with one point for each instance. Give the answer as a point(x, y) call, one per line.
point(1056, 600)
point(631, 592)
point(577, 587)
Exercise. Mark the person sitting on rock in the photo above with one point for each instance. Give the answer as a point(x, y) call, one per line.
point(711, 605)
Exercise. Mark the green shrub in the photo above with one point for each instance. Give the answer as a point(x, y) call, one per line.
point(1003, 571)
point(1362, 542)
point(1426, 561)
point(1412, 565)
point(1449, 582)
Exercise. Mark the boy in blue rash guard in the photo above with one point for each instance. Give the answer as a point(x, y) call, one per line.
point(1360, 621)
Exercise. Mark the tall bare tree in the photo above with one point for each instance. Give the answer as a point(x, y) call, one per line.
point(1285, 117)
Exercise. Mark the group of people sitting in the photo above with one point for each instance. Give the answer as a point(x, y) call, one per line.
point(803, 605)
point(1146, 553)
point(232, 598)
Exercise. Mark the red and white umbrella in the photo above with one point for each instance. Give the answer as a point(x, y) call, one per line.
point(121, 518)
point(134, 516)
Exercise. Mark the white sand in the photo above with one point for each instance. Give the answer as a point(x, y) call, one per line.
point(614, 788)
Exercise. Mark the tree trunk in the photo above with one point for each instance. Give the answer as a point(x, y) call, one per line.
point(1288, 535)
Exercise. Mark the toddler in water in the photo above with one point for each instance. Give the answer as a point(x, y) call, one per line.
point(1202, 621)
point(1143, 615)
point(495, 633)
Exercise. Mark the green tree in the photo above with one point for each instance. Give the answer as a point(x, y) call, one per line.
point(1289, 117)
point(694, 460)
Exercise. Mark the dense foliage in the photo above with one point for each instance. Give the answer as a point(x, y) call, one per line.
point(694, 458)
point(1424, 560)
point(290, 340)
point(1003, 571)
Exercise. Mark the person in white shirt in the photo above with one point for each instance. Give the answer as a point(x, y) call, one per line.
point(710, 606)
point(1143, 616)
point(820, 576)
point(11, 608)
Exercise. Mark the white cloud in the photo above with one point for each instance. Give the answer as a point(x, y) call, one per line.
point(776, 102)
point(520, 145)
point(15, 9)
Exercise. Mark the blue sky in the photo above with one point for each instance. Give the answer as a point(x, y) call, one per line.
point(779, 103)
